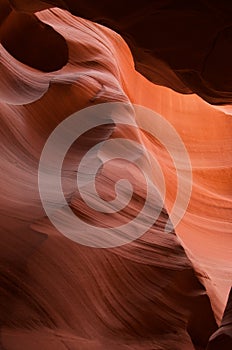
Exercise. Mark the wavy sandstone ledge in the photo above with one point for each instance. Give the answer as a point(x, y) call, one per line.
point(182, 45)
point(56, 294)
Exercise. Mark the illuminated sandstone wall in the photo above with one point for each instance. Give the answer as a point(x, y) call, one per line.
point(150, 293)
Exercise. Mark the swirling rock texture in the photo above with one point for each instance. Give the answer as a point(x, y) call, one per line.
point(162, 291)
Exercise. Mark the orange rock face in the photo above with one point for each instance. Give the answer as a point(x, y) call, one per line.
point(162, 290)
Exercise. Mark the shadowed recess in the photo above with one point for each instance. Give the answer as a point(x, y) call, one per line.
point(33, 42)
